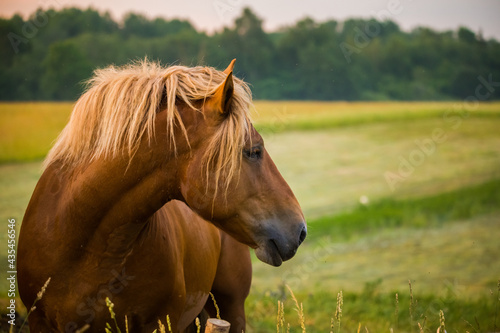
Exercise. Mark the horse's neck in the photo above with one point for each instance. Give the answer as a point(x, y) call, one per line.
point(101, 207)
point(104, 207)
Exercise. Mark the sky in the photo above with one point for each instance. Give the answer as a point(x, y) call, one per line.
point(212, 15)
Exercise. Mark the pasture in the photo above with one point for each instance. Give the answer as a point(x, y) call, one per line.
point(392, 192)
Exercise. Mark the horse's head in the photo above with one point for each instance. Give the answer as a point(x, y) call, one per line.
point(230, 179)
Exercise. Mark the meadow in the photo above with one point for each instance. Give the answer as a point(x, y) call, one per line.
point(393, 192)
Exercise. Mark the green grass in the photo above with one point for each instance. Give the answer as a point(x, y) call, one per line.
point(276, 117)
point(376, 311)
point(17, 182)
point(329, 170)
point(27, 130)
point(428, 212)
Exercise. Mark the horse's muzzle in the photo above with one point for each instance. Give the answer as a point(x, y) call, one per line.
point(279, 247)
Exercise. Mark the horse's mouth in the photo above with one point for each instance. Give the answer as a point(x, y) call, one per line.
point(275, 247)
point(269, 253)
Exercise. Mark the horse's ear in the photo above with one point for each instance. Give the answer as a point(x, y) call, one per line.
point(229, 68)
point(223, 96)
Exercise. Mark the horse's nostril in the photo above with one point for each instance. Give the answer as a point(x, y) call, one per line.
point(303, 235)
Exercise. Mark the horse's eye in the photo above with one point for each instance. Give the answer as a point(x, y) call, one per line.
point(253, 154)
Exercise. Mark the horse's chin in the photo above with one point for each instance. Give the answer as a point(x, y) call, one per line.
point(269, 254)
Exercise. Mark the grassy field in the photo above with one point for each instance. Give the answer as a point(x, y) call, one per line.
point(27, 130)
point(437, 224)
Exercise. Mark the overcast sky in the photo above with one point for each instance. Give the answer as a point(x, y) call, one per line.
point(210, 15)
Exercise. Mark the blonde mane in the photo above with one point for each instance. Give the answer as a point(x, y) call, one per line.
point(120, 105)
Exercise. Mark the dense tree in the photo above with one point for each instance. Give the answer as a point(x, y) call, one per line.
point(51, 53)
point(64, 68)
point(139, 25)
point(466, 35)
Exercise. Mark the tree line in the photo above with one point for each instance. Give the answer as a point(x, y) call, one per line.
point(50, 54)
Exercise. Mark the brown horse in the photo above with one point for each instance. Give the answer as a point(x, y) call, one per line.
point(103, 220)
